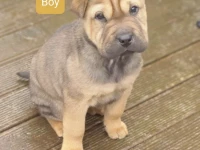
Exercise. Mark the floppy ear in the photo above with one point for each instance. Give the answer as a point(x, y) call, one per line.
point(79, 7)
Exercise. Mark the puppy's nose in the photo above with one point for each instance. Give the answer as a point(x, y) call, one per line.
point(125, 39)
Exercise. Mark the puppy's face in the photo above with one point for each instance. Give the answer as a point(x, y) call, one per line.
point(114, 26)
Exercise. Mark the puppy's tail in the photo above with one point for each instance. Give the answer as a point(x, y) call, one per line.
point(24, 75)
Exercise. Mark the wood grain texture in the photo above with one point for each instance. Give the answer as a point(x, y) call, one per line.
point(29, 38)
point(19, 15)
point(35, 134)
point(16, 108)
point(181, 136)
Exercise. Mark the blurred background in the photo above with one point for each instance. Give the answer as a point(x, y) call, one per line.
point(163, 112)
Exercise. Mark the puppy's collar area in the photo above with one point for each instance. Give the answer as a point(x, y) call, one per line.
point(121, 66)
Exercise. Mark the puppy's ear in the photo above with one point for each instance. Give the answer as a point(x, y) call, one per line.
point(79, 7)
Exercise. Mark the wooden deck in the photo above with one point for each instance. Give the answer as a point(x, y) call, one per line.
point(163, 112)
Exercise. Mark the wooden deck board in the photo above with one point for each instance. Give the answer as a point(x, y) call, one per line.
point(185, 135)
point(29, 38)
point(21, 14)
point(18, 16)
point(16, 108)
point(172, 37)
point(35, 134)
point(8, 77)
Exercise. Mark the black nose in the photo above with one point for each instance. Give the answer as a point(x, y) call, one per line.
point(125, 39)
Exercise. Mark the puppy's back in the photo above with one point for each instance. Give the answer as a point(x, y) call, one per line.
point(48, 65)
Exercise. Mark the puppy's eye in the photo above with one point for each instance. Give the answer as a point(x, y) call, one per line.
point(134, 10)
point(100, 16)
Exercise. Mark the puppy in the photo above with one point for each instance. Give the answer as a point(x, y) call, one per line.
point(90, 63)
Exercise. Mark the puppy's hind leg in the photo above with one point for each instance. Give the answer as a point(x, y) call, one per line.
point(57, 126)
point(46, 111)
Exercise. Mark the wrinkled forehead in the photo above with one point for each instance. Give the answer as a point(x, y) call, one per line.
point(112, 8)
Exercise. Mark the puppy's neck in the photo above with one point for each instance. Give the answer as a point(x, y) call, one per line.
point(121, 66)
point(102, 69)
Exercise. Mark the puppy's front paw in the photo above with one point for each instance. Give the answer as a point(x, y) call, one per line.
point(117, 131)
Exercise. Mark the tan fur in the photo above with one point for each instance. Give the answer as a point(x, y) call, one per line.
point(57, 126)
point(116, 11)
point(79, 7)
point(115, 128)
point(74, 70)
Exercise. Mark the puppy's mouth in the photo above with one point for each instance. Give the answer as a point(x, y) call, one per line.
point(127, 52)
point(119, 54)
point(116, 49)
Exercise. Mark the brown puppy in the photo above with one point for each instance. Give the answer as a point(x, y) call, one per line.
point(92, 62)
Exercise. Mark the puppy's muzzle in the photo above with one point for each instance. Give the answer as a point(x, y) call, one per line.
point(125, 39)
point(130, 42)
point(126, 42)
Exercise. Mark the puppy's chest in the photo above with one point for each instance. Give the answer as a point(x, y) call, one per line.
point(105, 98)
point(105, 94)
